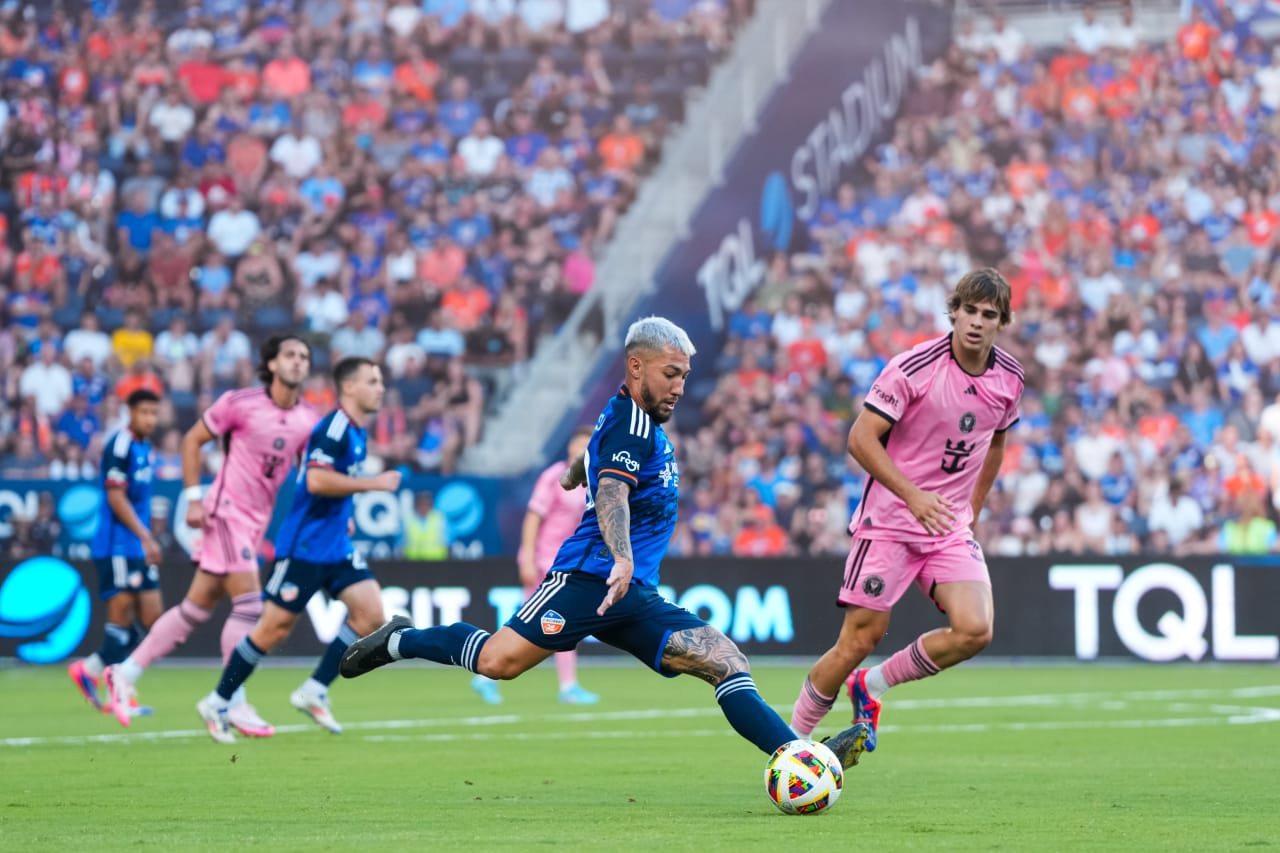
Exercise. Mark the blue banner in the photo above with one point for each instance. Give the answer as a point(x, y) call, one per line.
point(1245, 11)
point(477, 511)
point(841, 94)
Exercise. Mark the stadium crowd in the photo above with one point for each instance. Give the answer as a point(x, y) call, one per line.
point(424, 182)
point(1130, 193)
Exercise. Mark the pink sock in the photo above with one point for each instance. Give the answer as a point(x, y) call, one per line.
point(245, 610)
point(170, 631)
point(909, 664)
point(567, 668)
point(810, 708)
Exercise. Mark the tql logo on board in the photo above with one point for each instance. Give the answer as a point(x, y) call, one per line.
point(45, 607)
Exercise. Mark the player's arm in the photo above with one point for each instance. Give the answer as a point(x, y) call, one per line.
point(528, 542)
point(575, 475)
point(613, 513)
point(328, 483)
point(866, 445)
point(194, 439)
point(987, 476)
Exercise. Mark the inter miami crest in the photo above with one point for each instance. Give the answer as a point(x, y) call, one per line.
point(278, 444)
point(873, 586)
point(967, 422)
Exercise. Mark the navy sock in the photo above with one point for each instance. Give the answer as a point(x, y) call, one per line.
point(458, 644)
point(240, 666)
point(137, 633)
point(115, 643)
point(327, 669)
point(749, 715)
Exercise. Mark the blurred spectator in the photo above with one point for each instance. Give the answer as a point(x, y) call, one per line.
point(425, 531)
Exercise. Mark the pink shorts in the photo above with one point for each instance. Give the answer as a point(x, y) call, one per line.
point(878, 571)
point(227, 547)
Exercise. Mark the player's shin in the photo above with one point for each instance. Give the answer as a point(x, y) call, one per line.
point(244, 659)
point(458, 644)
point(115, 643)
point(909, 664)
point(749, 715)
point(245, 610)
point(170, 631)
point(327, 670)
point(810, 708)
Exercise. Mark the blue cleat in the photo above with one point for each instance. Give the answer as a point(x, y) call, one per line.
point(576, 694)
point(488, 690)
point(865, 709)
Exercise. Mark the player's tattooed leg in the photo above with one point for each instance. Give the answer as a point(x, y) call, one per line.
point(704, 652)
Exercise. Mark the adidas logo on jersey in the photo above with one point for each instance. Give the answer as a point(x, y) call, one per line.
point(972, 389)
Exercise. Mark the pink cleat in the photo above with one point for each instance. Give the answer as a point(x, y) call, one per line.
point(120, 696)
point(865, 709)
point(85, 683)
point(244, 719)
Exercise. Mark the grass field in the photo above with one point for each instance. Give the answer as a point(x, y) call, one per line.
point(984, 758)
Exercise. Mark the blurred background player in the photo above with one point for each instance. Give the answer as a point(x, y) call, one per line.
point(931, 438)
point(314, 551)
point(263, 431)
point(551, 518)
point(125, 553)
point(604, 579)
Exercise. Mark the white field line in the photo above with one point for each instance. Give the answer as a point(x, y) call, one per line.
point(1226, 715)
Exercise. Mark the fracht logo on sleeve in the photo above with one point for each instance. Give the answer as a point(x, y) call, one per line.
point(45, 607)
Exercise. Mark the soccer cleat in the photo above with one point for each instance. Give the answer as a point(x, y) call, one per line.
point(576, 694)
point(316, 706)
point(85, 683)
point(120, 694)
point(216, 720)
point(849, 744)
point(865, 709)
point(368, 653)
point(244, 718)
point(488, 690)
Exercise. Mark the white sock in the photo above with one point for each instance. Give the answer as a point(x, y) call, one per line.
point(237, 698)
point(216, 701)
point(876, 683)
point(93, 665)
point(313, 687)
point(129, 671)
point(393, 646)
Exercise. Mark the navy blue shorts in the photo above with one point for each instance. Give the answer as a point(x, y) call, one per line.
point(124, 574)
point(562, 613)
point(294, 581)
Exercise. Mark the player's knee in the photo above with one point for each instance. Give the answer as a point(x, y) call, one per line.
point(972, 639)
point(852, 649)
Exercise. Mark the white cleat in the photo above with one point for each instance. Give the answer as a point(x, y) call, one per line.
point(215, 720)
point(316, 706)
point(244, 718)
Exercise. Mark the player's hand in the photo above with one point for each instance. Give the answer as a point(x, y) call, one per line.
point(151, 551)
point(933, 511)
point(619, 582)
point(195, 514)
point(387, 481)
point(528, 570)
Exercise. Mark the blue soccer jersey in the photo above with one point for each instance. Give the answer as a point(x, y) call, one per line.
point(316, 527)
point(126, 464)
point(628, 446)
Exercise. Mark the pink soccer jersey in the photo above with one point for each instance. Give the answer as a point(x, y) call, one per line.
point(561, 513)
point(943, 422)
point(261, 443)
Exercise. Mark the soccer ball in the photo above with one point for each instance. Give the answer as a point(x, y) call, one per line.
point(803, 777)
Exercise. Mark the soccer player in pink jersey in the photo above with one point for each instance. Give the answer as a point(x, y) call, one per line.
point(931, 438)
point(552, 517)
point(263, 431)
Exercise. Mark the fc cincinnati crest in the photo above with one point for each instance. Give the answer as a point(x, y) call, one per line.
point(968, 421)
point(552, 622)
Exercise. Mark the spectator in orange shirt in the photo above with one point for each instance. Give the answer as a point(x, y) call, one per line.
point(468, 302)
point(1079, 99)
point(442, 264)
point(1260, 221)
point(621, 149)
point(1025, 177)
point(1195, 36)
point(417, 76)
point(761, 536)
point(139, 375)
point(201, 79)
point(364, 108)
point(286, 76)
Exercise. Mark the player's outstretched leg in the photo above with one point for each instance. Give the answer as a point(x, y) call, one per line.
point(246, 609)
point(169, 631)
point(861, 630)
point(571, 692)
point(503, 655)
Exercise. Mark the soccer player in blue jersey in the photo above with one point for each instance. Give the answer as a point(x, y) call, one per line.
point(314, 551)
point(125, 553)
point(604, 579)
